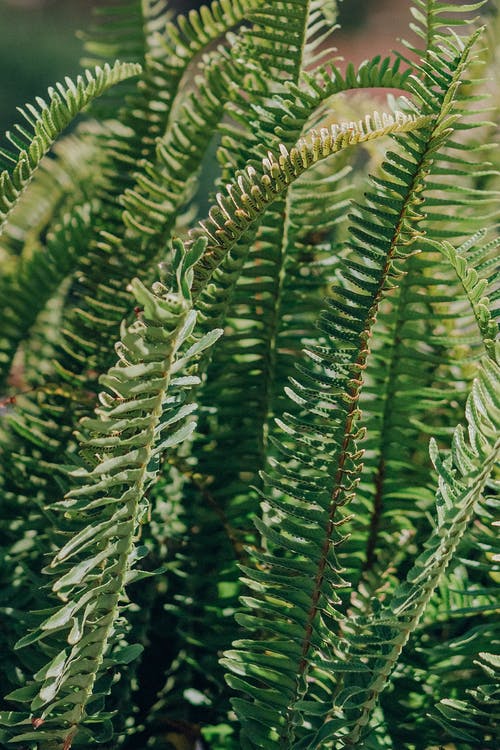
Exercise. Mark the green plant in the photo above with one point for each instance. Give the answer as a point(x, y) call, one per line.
point(246, 473)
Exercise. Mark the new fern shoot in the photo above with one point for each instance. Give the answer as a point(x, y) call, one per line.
point(249, 454)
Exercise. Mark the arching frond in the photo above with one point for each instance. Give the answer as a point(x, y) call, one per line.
point(252, 193)
point(46, 121)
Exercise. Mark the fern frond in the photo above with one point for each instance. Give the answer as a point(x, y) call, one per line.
point(462, 479)
point(250, 195)
point(412, 364)
point(217, 506)
point(432, 18)
point(411, 374)
point(98, 299)
point(65, 179)
point(46, 121)
point(37, 279)
point(320, 468)
point(320, 27)
point(153, 201)
point(279, 37)
point(165, 185)
point(475, 720)
point(141, 416)
point(296, 111)
point(460, 620)
point(326, 480)
point(337, 459)
point(474, 285)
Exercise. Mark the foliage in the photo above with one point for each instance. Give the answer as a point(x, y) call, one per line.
point(248, 461)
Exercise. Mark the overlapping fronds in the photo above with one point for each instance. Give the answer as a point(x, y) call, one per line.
point(293, 111)
point(142, 414)
point(250, 195)
point(154, 198)
point(145, 31)
point(43, 240)
point(320, 467)
point(46, 121)
point(197, 29)
point(475, 720)
point(462, 477)
point(67, 178)
point(123, 30)
point(315, 477)
point(36, 280)
point(460, 621)
point(410, 374)
point(98, 299)
point(264, 336)
point(295, 452)
point(165, 185)
point(279, 37)
point(412, 359)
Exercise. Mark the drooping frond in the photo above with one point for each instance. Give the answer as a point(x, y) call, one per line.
point(46, 121)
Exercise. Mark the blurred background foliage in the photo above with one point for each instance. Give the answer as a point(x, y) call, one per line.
point(39, 45)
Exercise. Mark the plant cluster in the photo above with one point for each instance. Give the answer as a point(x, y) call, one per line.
point(248, 452)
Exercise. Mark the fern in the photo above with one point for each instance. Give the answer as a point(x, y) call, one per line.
point(143, 406)
point(244, 539)
point(47, 121)
point(455, 505)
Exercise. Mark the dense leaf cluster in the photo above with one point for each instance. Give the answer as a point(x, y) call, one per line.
point(248, 453)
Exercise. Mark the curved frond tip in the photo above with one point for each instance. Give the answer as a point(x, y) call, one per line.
point(46, 121)
point(251, 193)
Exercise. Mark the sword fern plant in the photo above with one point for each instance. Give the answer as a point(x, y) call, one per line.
point(248, 457)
